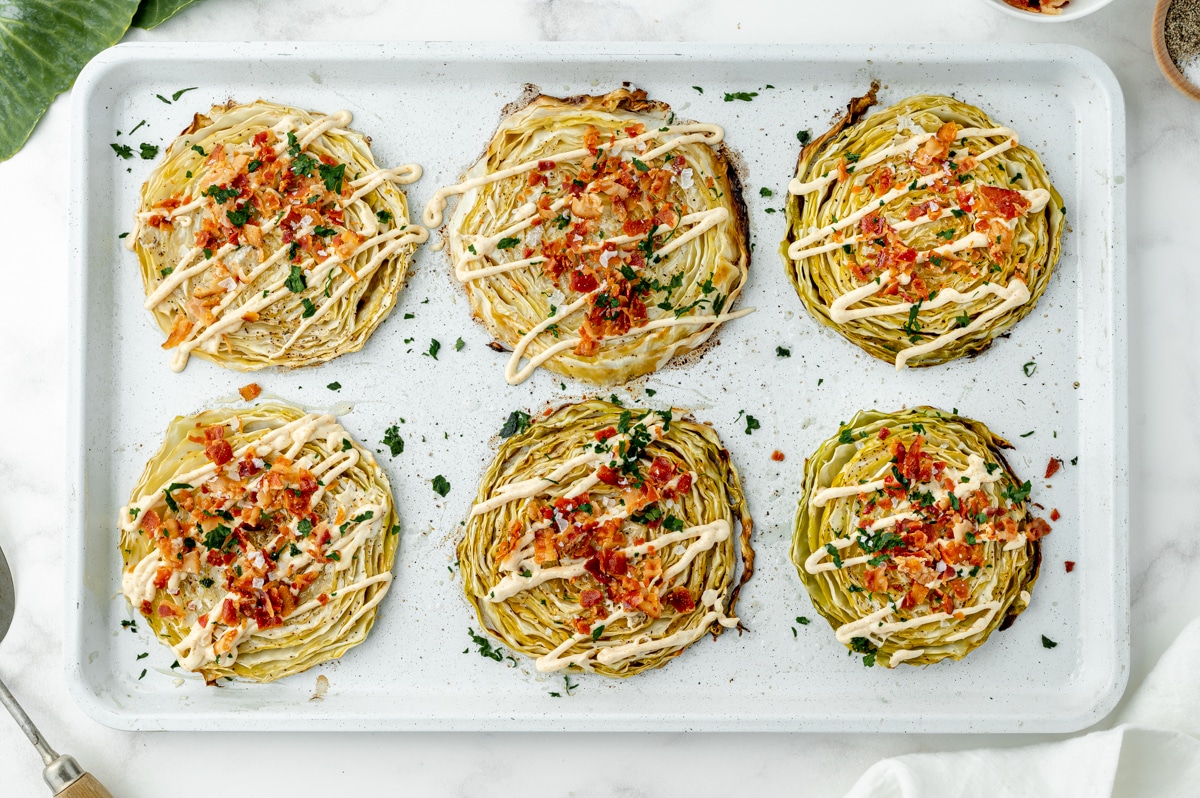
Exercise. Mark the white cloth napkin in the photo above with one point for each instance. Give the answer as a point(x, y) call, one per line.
point(1152, 750)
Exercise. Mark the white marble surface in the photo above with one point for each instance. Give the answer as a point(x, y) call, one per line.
point(1163, 174)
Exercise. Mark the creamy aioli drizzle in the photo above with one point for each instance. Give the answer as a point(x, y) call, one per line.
point(703, 537)
point(700, 221)
point(388, 242)
point(198, 646)
point(1016, 293)
point(873, 626)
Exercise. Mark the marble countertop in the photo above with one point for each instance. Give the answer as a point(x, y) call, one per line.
point(1164, 379)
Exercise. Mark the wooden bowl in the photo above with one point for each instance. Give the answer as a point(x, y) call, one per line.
point(1159, 38)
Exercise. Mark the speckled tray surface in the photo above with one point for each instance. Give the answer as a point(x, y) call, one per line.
point(437, 105)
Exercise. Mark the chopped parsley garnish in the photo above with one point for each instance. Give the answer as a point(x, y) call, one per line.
point(309, 308)
point(641, 167)
point(782, 351)
point(383, 216)
point(122, 151)
point(697, 88)
point(963, 320)
point(507, 243)
point(253, 166)
point(1016, 495)
point(147, 151)
point(599, 630)
point(765, 192)
point(174, 486)
point(239, 215)
point(199, 149)
point(912, 326)
point(673, 524)
point(1030, 368)
point(221, 195)
point(804, 136)
point(751, 424)
point(346, 445)
point(182, 92)
point(485, 646)
point(744, 96)
point(459, 344)
point(392, 440)
point(206, 582)
point(295, 281)
point(434, 346)
point(651, 513)
point(441, 485)
point(1047, 642)
point(218, 537)
point(332, 176)
point(334, 386)
point(518, 421)
point(323, 231)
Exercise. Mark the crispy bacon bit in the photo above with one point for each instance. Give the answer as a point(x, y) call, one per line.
point(607, 475)
point(1037, 529)
point(217, 449)
point(583, 282)
point(1052, 467)
point(162, 576)
point(179, 332)
point(545, 166)
point(662, 469)
point(250, 392)
point(1003, 202)
point(323, 599)
point(875, 579)
point(544, 548)
point(679, 599)
point(591, 597)
point(884, 432)
point(605, 434)
point(150, 522)
point(1070, 565)
point(1055, 515)
point(777, 456)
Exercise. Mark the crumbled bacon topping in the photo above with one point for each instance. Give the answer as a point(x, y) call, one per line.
point(232, 530)
point(607, 197)
point(581, 529)
point(927, 560)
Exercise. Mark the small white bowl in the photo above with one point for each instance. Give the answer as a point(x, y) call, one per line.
point(1073, 10)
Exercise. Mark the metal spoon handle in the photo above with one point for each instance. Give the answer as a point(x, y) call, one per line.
point(63, 774)
point(31, 731)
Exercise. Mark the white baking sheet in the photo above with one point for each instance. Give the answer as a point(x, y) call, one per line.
point(437, 105)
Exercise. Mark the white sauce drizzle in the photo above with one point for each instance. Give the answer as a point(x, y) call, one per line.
point(524, 217)
point(1011, 296)
point(522, 574)
point(388, 242)
point(199, 646)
